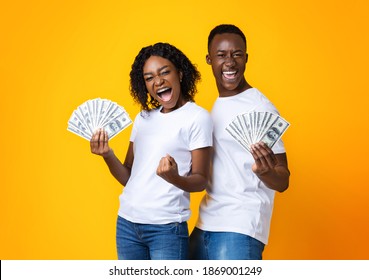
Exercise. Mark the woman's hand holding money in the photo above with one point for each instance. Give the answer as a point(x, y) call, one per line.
point(99, 143)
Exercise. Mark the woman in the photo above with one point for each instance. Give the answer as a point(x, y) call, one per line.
point(168, 156)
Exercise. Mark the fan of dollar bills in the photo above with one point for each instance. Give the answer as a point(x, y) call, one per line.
point(252, 127)
point(98, 113)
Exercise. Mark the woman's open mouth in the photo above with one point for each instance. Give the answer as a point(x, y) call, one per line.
point(164, 94)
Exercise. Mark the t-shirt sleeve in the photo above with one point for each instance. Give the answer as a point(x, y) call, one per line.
point(201, 131)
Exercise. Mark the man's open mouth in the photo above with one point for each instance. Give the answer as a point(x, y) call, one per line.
point(229, 75)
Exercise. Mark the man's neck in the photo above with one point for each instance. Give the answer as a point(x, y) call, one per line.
point(241, 88)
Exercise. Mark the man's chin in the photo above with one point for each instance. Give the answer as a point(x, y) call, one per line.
point(230, 86)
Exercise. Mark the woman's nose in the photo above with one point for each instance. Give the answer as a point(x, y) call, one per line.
point(157, 80)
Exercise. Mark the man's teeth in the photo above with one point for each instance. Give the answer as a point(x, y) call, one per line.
point(229, 72)
point(230, 75)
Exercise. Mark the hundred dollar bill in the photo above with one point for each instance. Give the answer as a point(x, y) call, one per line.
point(77, 121)
point(262, 116)
point(270, 119)
point(71, 127)
point(275, 132)
point(85, 115)
point(240, 125)
point(117, 124)
point(98, 113)
point(238, 138)
point(252, 127)
point(105, 105)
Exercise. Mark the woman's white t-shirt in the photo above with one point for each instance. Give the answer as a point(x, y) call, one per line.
point(147, 198)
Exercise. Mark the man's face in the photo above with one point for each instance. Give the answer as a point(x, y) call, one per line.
point(227, 57)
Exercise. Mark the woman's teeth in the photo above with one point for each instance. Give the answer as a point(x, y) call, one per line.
point(164, 94)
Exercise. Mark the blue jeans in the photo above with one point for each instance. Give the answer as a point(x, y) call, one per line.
point(208, 245)
point(151, 242)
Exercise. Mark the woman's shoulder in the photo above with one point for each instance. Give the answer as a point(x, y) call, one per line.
point(197, 108)
point(145, 114)
point(199, 115)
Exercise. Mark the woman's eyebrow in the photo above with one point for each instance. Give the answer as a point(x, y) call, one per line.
point(160, 69)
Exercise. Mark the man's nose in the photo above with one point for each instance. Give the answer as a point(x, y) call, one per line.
point(229, 60)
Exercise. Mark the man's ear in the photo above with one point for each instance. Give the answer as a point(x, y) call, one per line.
point(247, 57)
point(208, 60)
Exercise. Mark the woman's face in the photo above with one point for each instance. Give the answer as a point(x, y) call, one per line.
point(163, 82)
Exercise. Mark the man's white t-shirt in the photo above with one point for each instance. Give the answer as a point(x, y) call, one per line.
point(147, 198)
point(237, 201)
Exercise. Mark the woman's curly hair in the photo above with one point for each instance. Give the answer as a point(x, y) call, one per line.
point(138, 88)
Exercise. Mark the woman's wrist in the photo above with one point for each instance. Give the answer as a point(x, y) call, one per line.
point(108, 154)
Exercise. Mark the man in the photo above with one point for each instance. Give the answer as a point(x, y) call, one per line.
point(235, 213)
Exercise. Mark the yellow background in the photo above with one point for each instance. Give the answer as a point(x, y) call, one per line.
point(58, 201)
